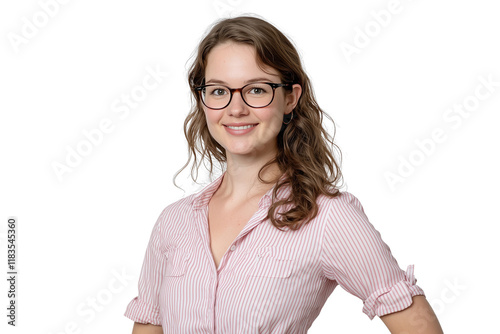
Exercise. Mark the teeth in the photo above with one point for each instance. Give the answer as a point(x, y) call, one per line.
point(240, 127)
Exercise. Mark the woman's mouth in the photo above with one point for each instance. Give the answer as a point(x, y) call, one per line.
point(243, 127)
point(239, 130)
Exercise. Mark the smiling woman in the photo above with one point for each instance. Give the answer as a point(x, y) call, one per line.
point(261, 248)
point(247, 122)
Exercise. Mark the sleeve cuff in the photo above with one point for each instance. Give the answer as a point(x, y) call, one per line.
point(393, 299)
point(143, 313)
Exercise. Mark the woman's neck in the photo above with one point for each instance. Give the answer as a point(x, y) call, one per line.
point(241, 181)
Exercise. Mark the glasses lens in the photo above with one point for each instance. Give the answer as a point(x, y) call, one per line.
point(216, 96)
point(258, 94)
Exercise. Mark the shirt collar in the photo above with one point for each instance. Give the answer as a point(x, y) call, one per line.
point(202, 198)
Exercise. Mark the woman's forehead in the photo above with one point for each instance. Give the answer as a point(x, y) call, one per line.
point(236, 62)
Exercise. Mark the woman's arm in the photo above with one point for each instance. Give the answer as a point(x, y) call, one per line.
point(146, 329)
point(419, 318)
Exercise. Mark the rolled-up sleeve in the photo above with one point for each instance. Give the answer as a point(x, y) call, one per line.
point(356, 257)
point(145, 308)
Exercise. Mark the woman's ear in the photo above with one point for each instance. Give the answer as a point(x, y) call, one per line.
point(292, 98)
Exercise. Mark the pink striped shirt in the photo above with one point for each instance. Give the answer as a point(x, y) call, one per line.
point(268, 281)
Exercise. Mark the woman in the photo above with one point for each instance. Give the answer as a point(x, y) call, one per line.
point(261, 248)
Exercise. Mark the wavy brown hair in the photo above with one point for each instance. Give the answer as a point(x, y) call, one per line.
point(305, 154)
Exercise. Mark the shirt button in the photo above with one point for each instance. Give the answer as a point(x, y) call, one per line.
point(233, 247)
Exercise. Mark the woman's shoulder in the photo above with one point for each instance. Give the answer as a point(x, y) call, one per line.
point(344, 205)
point(174, 212)
point(181, 208)
point(181, 205)
point(342, 198)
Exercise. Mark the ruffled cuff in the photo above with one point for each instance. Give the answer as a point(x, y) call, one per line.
point(143, 313)
point(392, 299)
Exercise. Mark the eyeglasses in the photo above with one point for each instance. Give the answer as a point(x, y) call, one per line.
point(255, 95)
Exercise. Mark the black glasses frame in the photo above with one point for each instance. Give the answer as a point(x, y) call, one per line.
point(232, 90)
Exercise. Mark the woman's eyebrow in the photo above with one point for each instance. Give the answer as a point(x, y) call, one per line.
point(259, 79)
point(217, 81)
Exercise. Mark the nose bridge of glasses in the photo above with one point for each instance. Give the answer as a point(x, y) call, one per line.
point(236, 90)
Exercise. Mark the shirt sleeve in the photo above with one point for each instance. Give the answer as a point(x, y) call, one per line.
point(356, 257)
point(145, 307)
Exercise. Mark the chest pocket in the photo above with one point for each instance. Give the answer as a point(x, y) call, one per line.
point(271, 262)
point(177, 262)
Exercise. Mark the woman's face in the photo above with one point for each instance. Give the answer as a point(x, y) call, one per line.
point(235, 65)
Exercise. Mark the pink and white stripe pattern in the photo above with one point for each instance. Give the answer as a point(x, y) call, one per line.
point(269, 281)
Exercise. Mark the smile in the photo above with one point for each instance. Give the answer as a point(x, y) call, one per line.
point(239, 130)
point(240, 127)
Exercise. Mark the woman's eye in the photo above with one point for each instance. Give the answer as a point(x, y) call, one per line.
point(257, 91)
point(218, 91)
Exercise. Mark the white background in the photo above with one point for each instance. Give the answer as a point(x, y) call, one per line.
point(76, 233)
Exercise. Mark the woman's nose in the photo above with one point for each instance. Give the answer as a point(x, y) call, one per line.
point(237, 106)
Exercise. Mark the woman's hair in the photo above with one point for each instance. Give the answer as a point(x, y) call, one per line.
point(304, 155)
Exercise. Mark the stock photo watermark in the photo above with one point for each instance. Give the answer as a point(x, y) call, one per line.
point(122, 107)
point(380, 20)
point(33, 24)
point(421, 318)
point(12, 271)
point(453, 117)
point(88, 310)
point(225, 8)
point(453, 289)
